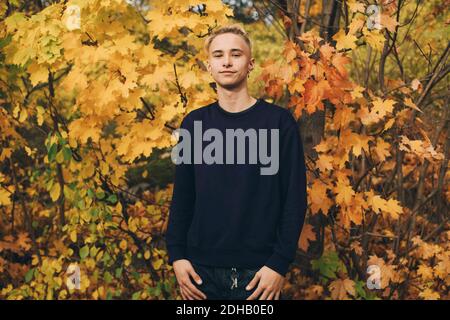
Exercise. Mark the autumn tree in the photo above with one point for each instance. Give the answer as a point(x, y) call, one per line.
point(91, 91)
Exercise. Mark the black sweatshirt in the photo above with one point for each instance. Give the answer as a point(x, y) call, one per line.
point(230, 214)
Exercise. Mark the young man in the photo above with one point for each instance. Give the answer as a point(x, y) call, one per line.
point(235, 220)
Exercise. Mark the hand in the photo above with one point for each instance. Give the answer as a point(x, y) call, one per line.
point(183, 269)
point(269, 287)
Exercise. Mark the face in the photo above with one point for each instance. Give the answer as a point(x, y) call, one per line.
point(229, 60)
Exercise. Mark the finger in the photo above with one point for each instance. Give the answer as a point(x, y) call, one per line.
point(264, 295)
point(190, 289)
point(253, 282)
point(195, 276)
point(271, 295)
point(255, 294)
point(183, 294)
point(199, 281)
point(277, 296)
point(188, 295)
point(195, 291)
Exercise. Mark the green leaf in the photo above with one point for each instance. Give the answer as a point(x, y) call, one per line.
point(5, 41)
point(136, 275)
point(93, 212)
point(100, 195)
point(90, 193)
point(112, 199)
point(84, 252)
point(359, 287)
point(118, 272)
point(67, 153)
point(92, 227)
point(81, 204)
point(60, 138)
point(49, 185)
point(328, 264)
point(52, 152)
point(107, 276)
point(136, 295)
point(106, 258)
point(29, 275)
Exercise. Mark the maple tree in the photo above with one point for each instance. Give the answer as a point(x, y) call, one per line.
point(90, 92)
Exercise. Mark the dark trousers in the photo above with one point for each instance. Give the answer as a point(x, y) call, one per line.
point(225, 283)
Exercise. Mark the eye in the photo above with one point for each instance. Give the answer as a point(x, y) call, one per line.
point(234, 55)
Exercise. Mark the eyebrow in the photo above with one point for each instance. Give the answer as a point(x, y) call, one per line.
point(234, 49)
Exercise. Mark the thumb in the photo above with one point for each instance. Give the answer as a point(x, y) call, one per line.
point(195, 276)
point(253, 282)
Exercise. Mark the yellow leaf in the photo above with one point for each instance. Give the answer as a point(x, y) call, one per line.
point(123, 244)
point(87, 171)
point(344, 41)
point(411, 104)
point(382, 149)
point(374, 38)
point(104, 168)
point(16, 111)
point(147, 255)
point(6, 153)
point(341, 288)
point(429, 294)
point(38, 73)
point(132, 225)
point(73, 142)
point(4, 197)
point(318, 197)
point(425, 272)
point(357, 92)
point(356, 6)
point(118, 207)
point(388, 124)
point(356, 25)
point(40, 115)
point(23, 115)
point(60, 156)
point(55, 191)
point(394, 208)
point(388, 22)
point(157, 264)
point(73, 236)
point(345, 193)
point(28, 151)
point(382, 107)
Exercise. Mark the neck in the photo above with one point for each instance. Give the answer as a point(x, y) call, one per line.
point(235, 101)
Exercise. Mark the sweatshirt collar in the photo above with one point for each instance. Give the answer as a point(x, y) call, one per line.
point(239, 113)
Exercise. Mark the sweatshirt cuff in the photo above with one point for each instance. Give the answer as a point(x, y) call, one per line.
point(278, 263)
point(176, 253)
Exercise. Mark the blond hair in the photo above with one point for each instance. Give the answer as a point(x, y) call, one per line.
point(235, 28)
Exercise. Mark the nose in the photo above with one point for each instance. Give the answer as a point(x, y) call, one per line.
point(227, 61)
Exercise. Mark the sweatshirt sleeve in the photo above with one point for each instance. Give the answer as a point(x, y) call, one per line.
point(181, 207)
point(294, 197)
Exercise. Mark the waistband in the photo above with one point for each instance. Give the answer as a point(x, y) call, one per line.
point(242, 258)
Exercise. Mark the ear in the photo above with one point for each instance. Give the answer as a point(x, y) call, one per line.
point(251, 64)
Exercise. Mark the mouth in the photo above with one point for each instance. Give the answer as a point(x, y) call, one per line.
point(228, 72)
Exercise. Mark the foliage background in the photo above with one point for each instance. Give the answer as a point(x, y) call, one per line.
point(87, 112)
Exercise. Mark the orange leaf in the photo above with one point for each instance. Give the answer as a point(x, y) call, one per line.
point(306, 235)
